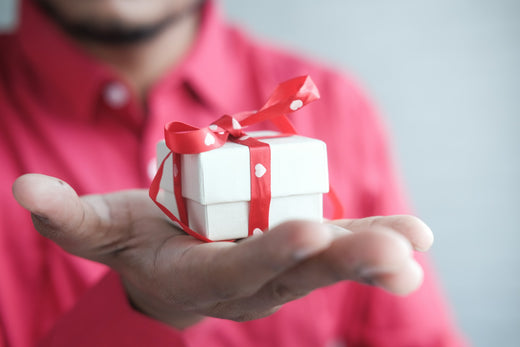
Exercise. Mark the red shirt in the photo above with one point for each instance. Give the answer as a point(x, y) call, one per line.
point(65, 114)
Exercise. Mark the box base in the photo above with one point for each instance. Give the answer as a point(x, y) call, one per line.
point(229, 221)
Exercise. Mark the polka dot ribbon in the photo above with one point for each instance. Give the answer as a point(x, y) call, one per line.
point(182, 138)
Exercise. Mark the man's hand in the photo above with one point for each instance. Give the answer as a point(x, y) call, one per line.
point(177, 279)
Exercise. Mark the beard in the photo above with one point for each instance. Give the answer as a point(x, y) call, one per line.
point(115, 32)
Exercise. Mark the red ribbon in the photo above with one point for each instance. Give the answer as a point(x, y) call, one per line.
point(182, 138)
point(288, 97)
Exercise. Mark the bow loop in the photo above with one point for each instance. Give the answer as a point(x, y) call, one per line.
point(230, 125)
point(186, 139)
point(287, 97)
point(182, 138)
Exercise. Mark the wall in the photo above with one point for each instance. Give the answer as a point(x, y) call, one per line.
point(446, 75)
point(8, 11)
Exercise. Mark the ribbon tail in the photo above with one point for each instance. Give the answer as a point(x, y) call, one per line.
point(287, 97)
point(154, 192)
point(298, 88)
point(336, 204)
point(283, 124)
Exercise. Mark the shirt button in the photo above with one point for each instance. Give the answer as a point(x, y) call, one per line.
point(336, 343)
point(116, 95)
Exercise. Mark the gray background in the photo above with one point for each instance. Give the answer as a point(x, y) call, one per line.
point(446, 75)
point(8, 10)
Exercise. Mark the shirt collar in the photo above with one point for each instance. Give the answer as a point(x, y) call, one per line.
point(63, 67)
point(210, 68)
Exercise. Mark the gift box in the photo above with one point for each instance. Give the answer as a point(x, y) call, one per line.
point(220, 183)
point(216, 185)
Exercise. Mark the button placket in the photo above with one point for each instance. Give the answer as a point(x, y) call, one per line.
point(116, 95)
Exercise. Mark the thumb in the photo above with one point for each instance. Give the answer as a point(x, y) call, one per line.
point(92, 227)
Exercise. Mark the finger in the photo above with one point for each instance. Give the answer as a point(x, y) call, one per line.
point(414, 229)
point(378, 257)
point(400, 282)
point(92, 227)
point(233, 270)
point(56, 210)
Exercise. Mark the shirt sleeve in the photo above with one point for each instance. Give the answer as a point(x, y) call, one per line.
point(104, 317)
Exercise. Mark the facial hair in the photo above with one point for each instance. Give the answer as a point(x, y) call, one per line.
point(115, 32)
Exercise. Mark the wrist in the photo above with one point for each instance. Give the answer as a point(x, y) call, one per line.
point(158, 309)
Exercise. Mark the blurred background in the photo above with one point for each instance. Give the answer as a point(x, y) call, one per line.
point(446, 76)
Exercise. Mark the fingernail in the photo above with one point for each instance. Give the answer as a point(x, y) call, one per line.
point(304, 253)
point(370, 272)
point(337, 230)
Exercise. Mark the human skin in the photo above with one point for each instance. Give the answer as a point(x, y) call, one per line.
point(141, 62)
point(171, 276)
point(177, 279)
point(133, 13)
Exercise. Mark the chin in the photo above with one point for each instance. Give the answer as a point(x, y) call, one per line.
point(117, 21)
point(128, 13)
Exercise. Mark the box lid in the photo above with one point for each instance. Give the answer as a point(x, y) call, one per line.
point(298, 166)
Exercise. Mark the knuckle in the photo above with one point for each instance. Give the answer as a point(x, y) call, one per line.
point(282, 293)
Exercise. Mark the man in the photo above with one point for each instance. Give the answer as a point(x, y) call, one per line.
point(87, 87)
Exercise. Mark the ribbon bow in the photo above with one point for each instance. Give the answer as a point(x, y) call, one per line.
point(288, 97)
point(182, 138)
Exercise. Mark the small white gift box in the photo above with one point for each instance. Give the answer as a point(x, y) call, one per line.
point(216, 185)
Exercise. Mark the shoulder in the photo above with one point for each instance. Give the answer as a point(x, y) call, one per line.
point(10, 62)
point(10, 49)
